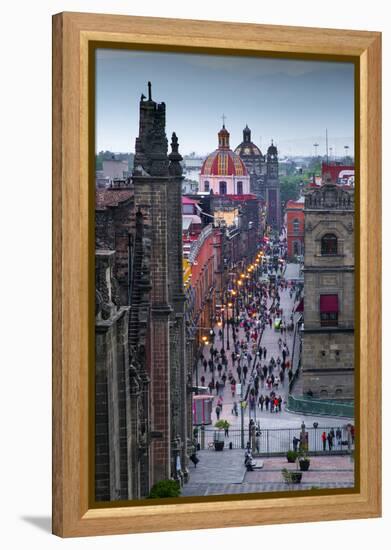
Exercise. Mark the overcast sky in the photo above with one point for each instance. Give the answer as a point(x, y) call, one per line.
point(291, 102)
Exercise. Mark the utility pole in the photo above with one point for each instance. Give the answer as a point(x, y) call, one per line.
point(346, 147)
point(241, 410)
point(327, 148)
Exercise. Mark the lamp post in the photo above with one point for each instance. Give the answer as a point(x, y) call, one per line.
point(241, 411)
point(228, 322)
point(204, 340)
point(221, 324)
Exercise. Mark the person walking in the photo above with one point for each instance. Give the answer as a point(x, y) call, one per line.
point(245, 369)
point(279, 399)
point(258, 441)
point(276, 404)
point(267, 401)
point(271, 405)
point(264, 370)
point(224, 379)
point(261, 401)
point(218, 411)
point(332, 433)
point(324, 439)
point(219, 369)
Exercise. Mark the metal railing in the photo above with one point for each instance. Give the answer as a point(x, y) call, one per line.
point(277, 441)
point(308, 405)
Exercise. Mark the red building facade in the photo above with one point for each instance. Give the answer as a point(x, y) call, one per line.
point(295, 227)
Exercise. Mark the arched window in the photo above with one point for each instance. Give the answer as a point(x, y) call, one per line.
point(296, 226)
point(223, 188)
point(240, 188)
point(329, 245)
point(206, 186)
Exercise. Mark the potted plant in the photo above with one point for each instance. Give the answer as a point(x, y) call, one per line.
point(219, 435)
point(291, 456)
point(291, 476)
point(304, 463)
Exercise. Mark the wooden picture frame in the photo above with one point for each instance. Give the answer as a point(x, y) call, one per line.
point(72, 34)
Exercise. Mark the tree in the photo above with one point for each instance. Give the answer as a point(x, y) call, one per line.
point(290, 188)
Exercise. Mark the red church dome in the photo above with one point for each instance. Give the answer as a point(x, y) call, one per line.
point(223, 161)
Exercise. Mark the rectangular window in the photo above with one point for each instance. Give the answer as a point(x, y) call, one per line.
point(329, 319)
point(328, 306)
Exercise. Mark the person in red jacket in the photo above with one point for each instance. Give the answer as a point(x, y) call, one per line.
point(324, 439)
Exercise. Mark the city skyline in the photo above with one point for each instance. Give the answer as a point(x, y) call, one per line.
point(289, 101)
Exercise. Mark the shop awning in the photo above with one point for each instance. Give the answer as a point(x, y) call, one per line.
point(329, 303)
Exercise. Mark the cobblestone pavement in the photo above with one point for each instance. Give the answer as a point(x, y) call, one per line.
point(224, 473)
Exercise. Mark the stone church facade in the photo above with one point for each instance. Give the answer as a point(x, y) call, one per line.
point(255, 163)
point(329, 295)
point(272, 189)
point(142, 383)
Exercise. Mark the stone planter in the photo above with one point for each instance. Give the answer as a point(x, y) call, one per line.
point(304, 465)
point(291, 457)
point(296, 477)
point(219, 445)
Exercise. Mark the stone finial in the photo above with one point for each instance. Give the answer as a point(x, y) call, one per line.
point(149, 91)
point(174, 143)
point(175, 157)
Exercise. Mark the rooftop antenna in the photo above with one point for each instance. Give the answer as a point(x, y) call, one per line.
point(327, 148)
point(223, 117)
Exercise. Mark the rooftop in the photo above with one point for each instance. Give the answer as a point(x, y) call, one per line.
point(105, 198)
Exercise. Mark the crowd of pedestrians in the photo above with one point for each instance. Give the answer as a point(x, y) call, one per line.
point(263, 374)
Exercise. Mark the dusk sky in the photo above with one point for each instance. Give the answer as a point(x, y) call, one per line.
point(291, 102)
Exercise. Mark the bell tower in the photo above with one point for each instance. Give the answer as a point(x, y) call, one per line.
point(272, 184)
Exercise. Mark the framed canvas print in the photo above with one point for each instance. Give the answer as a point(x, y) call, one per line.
point(216, 230)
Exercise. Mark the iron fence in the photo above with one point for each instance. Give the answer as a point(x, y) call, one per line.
point(277, 441)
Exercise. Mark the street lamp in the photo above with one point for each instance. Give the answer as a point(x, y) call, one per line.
point(228, 322)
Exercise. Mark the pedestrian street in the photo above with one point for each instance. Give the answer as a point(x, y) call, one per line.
point(269, 338)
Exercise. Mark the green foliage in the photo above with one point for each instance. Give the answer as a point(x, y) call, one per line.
point(291, 476)
point(290, 188)
point(222, 424)
point(292, 456)
point(167, 488)
point(315, 166)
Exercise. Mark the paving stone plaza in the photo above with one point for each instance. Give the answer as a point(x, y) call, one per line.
point(224, 473)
